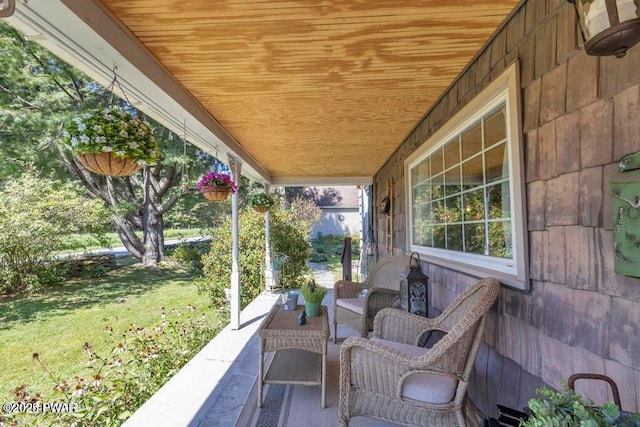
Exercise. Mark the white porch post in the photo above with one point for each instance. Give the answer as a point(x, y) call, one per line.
point(268, 271)
point(235, 166)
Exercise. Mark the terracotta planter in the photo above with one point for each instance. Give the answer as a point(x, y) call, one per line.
point(261, 209)
point(216, 194)
point(108, 164)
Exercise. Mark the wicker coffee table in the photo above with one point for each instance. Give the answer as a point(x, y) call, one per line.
point(300, 351)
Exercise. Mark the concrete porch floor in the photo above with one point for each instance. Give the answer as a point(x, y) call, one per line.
point(218, 386)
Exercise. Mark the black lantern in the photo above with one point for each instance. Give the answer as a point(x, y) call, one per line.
point(609, 27)
point(413, 288)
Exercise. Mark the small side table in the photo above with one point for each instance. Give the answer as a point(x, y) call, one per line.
point(300, 350)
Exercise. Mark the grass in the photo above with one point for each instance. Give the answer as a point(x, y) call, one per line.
point(85, 242)
point(57, 323)
point(329, 245)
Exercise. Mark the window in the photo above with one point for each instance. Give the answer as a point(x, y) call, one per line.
point(466, 192)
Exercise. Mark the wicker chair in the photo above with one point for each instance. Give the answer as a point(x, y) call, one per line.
point(383, 284)
point(390, 377)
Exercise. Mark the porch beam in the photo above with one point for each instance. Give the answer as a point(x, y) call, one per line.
point(268, 270)
point(308, 181)
point(235, 165)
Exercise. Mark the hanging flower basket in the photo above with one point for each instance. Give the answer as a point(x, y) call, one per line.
point(216, 194)
point(108, 164)
point(111, 141)
point(261, 202)
point(261, 209)
point(216, 186)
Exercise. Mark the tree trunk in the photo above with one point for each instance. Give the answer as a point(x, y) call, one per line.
point(152, 223)
point(147, 211)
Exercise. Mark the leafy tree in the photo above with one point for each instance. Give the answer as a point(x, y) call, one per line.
point(32, 105)
point(37, 216)
point(39, 93)
point(325, 196)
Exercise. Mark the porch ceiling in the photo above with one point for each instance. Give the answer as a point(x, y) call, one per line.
point(310, 89)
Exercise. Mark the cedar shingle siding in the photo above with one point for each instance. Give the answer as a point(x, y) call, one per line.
point(581, 114)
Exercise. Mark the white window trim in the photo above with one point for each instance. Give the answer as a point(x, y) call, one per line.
point(512, 272)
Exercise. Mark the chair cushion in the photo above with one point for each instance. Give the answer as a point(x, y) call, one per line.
point(425, 387)
point(352, 304)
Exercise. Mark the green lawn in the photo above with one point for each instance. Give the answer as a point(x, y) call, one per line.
point(57, 323)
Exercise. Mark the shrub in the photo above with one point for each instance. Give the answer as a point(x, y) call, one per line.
point(189, 254)
point(217, 263)
point(37, 216)
point(141, 361)
point(330, 239)
point(319, 257)
point(290, 231)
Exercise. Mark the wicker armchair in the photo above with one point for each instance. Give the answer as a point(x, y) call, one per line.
point(390, 377)
point(383, 284)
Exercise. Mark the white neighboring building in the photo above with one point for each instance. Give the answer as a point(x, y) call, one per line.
point(341, 214)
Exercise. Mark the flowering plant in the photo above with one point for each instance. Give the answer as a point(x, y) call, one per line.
point(261, 199)
point(213, 180)
point(112, 130)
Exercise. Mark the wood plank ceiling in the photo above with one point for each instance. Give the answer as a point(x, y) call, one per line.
point(314, 88)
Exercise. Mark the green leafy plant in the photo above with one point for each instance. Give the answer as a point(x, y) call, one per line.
point(261, 199)
point(319, 257)
point(37, 217)
point(141, 361)
point(189, 254)
point(112, 130)
point(568, 409)
point(290, 249)
point(312, 292)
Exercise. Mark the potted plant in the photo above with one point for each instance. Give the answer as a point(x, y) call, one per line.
point(568, 409)
point(111, 141)
point(261, 202)
point(216, 186)
point(313, 295)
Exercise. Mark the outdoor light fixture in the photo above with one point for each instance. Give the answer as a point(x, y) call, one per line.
point(414, 292)
point(7, 7)
point(609, 27)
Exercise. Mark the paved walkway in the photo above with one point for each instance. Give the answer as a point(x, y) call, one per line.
point(322, 275)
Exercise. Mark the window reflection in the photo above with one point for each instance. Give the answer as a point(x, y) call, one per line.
point(451, 154)
point(436, 163)
point(452, 181)
point(497, 164)
point(495, 128)
point(500, 239)
point(472, 173)
point(474, 238)
point(454, 237)
point(474, 205)
point(471, 141)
